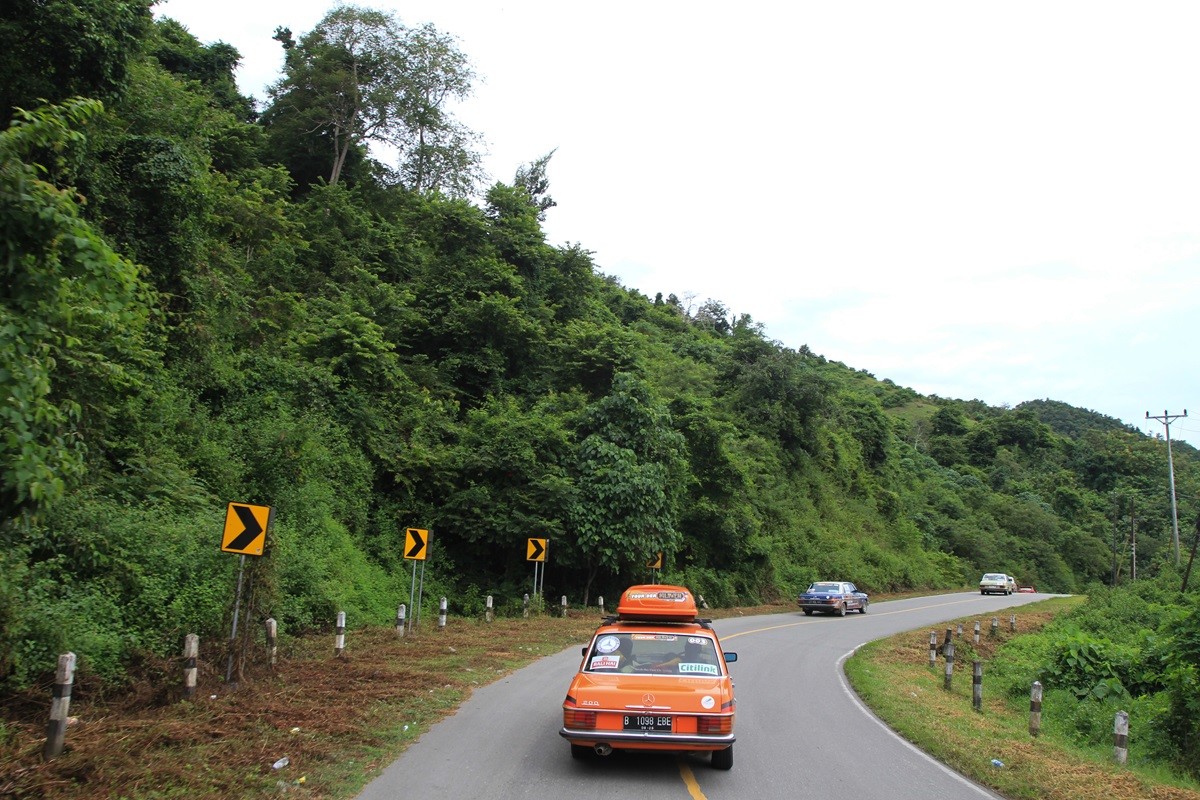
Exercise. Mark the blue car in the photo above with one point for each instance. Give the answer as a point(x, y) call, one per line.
point(833, 597)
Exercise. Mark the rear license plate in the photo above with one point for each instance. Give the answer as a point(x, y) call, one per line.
point(647, 722)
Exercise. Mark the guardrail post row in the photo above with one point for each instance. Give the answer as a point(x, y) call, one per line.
point(1035, 709)
point(703, 602)
point(489, 614)
point(977, 686)
point(442, 614)
point(56, 730)
point(601, 599)
point(525, 607)
point(932, 649)
point(995, 625)
point(191, 649)
point(976, 631)
point(272, 640)
point(339, 638)
point(946, 682)
point(401, 613)
point(948, 640)
point(564, 606)
point(958, 631)
point(1121, 737)
point(1012, 622)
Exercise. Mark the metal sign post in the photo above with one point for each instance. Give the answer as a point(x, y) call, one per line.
point(245, 533)
point(237, 604)
point(416, 548)
point(420, 593)
point(412, 594)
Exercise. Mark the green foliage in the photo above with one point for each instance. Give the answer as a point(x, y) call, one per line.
point(212, 66)
point(1086, 666)
point(1181, 676)
point(72, 316)
point(201, 307)
point(1129, 649)
point(628, 470)
point(51, 50)
point(104, 580)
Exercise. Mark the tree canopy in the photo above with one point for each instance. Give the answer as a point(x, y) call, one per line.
point(362, 76)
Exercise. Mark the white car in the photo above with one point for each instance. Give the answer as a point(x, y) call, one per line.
point(1012, 584)
point(995, 583)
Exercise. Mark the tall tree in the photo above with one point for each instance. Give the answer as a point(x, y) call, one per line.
point(629, 476)
point(361, 76)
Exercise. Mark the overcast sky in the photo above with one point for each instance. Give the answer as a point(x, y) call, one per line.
point(992, 201)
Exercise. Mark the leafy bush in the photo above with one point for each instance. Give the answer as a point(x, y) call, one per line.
point(1085, 665)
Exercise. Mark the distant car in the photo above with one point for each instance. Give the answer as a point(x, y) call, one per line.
point(654, 678)
point(833, 597)
point(1027, 589)
point(995, 583)
point(1012, 583)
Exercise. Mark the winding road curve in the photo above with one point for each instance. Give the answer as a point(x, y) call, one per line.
point(802, 732)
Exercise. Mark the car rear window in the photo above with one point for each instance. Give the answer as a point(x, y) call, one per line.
point(653, 652)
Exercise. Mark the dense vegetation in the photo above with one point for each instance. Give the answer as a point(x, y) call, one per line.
point(207, 300)
point(1132, 648)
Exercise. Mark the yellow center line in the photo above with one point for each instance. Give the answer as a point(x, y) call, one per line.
point(689, 780)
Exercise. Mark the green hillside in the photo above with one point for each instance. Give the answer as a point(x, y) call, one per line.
point(207, 303)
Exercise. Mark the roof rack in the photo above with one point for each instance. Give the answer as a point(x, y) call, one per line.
point(657, 603)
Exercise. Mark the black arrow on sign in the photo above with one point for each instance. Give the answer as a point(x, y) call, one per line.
point(253, 529)
point(418, 545)
point(537, 550)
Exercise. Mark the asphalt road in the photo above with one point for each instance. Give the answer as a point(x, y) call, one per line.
point(801, 731)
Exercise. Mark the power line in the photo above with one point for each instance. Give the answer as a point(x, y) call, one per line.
point(1166, 419)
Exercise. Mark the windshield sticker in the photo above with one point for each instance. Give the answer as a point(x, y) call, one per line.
point(706, 669)
point(604, 662)
point(607, 644)
point(700, 640)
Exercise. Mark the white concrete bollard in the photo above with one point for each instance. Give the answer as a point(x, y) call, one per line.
point(56, 730)
point(191, 650)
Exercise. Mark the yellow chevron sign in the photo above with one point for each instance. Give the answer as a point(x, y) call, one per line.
point(416, 544)
point(536, 550)
point(245, 529)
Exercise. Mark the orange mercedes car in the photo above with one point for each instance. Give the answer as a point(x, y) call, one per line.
point(653, 678)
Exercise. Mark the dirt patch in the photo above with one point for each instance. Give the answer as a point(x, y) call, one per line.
point(318, 709)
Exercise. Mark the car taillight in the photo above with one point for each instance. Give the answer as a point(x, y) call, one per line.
point(714, 724)
point(574, 718)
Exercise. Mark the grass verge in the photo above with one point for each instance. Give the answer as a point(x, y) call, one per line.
point(894, 678)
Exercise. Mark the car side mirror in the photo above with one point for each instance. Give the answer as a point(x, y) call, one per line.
point(730, 658)
point(583, 650)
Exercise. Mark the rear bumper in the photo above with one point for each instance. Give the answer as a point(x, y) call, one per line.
point(648, 739)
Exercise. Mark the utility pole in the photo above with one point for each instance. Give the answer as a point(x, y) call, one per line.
point(1133, 547)
point(1166, 419)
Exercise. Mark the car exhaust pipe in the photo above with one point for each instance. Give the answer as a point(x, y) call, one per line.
point(603, 749)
